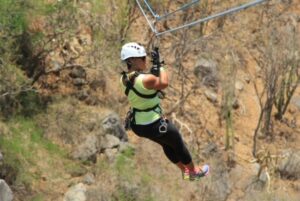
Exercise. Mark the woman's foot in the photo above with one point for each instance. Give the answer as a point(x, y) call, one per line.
point(197, 173)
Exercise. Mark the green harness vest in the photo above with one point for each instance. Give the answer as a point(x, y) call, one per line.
point(145, 103)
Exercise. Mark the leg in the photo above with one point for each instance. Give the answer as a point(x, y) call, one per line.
point(174, 141)
point(181, 166)
point(172, 138)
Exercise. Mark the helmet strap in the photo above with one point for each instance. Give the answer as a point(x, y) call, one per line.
point(129, 64)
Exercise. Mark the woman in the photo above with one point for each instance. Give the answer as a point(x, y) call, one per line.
point(146, 118)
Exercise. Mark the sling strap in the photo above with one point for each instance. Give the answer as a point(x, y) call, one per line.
point(129, 82)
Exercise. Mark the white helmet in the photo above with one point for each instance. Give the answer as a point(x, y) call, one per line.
point(132, 50)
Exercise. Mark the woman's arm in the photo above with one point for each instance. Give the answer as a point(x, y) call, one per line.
point(158, 83)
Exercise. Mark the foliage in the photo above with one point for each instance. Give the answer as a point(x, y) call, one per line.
point(29, 158)
point(290, 77)
point(16, 92)
point(109, 30)
point(125, 165)
point(12, 24)
point(21, 147)
point(230, 71)
point(278, 56)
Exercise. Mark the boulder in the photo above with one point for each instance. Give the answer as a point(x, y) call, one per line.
point(87, 150)
point(55, 66)
point(289, 167)
point(112, 125)
point(98, 84)
point(82, 94)
point(89, 179)
point(111, 154)
point(78, 72)
point(239, 85)
point(79, 82)
point(211, 96)
point(206, 72)
point(109, 142)
point(5, 191)
point(76, 193)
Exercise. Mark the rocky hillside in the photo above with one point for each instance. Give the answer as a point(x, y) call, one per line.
point(62, 110)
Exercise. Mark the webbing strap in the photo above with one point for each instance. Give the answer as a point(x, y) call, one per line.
point(134, 110)
point(146, 110)
point(147, 96)
point(129, 86)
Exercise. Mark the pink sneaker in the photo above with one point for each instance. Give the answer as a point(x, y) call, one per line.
point(199, 172)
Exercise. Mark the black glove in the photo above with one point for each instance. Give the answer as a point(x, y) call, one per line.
point(155, 56)
point(156, 62)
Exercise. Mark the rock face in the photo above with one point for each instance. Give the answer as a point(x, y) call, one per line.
point(5, 192)
point(76, 193)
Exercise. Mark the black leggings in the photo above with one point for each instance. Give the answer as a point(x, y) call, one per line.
point(170, 141)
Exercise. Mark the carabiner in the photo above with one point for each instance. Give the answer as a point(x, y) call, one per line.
point(163, 128)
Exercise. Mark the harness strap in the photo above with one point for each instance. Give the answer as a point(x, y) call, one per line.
point(129, 82)
point(129, 86)
point(134, 110)
point(147, 96)
point(146, 110)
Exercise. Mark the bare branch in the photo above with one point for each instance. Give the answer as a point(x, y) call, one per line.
point(18, 92)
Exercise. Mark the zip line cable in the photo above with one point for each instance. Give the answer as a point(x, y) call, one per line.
point(150, 9)
point(220, 14)
point(159, 18)
point(185, 6)
point(182, 8)
point(148, 21)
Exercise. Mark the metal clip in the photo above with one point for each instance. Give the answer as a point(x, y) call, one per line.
point(163, 128)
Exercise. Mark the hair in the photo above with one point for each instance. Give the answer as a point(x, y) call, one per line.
point(129, 64)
